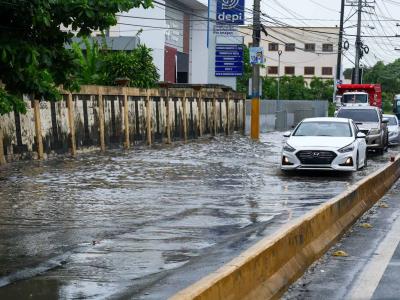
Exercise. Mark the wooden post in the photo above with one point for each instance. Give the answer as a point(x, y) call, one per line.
point(148, 117)
point(244, 115)
point(101, 123)
point(215, 113)
point(200, 110)
point(168, 117)
point(227, 113)
point(71, 121)
point(38, 128)
point(184, 116)
point(126, 120)
point(2, 157)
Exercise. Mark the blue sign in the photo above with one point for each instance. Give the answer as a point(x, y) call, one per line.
point(229, 60)
point(230, 12)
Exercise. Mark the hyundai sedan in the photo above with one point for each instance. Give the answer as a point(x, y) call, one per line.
point(325, 144)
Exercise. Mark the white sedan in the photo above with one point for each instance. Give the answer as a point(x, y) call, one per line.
point(394, 129)
point(324, 144)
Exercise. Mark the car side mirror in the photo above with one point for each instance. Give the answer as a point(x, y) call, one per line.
point(385, 120)
point(287, 134)
point(361, 135)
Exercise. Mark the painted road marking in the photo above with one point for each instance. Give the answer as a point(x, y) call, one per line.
point(372, 273)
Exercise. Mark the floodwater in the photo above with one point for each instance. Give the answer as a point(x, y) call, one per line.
point(145, 223)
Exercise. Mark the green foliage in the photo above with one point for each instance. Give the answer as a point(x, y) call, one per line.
point(89, 62)
point(137, 65)
point(242, 83)
point(33, 59)
point(296, 88)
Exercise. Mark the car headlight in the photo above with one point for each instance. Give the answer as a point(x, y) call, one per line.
point(374, 131)
point(346, 149)
point(392, 133)
point(288, 148)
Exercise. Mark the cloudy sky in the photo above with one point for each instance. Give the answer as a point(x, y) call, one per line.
point(379, 22)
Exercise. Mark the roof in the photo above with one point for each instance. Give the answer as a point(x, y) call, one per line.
point(327, 119)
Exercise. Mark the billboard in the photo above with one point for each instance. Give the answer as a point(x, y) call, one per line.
point(230, 12)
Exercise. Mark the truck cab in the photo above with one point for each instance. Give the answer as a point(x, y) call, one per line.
point(355, 99)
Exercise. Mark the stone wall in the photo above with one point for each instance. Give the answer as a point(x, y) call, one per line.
point(152, 116)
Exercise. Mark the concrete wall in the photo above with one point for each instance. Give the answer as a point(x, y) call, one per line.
point(284, 114)
point(191, 115)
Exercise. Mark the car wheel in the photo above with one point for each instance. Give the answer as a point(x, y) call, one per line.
point(366, 159)
point(357, 162)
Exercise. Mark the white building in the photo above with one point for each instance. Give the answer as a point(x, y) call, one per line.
point(306, 51)
point(176, 30)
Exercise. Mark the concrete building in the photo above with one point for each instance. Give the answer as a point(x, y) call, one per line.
point(176, 30)
point(306, 51)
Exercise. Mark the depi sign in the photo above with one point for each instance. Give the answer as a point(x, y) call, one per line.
point(230, 12)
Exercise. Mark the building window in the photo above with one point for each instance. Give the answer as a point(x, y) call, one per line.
point(309, 47)
point(273, 70)
point(327, 71)
point(327, 47)
point(290, 47)
point(309, 70)
point(289, 70)
point(273, 46)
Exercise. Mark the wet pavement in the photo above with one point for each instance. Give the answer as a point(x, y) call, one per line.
point(146, 223)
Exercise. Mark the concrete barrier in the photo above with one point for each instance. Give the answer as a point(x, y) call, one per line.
point(267, 269)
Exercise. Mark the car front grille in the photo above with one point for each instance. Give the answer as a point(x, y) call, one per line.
point(316, 157)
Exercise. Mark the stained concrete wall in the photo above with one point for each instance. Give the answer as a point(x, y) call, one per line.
point(192, 113)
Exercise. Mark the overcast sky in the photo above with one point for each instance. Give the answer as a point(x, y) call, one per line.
point(378, 22)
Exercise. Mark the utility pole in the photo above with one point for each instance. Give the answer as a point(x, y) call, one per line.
point(358, 45)
point(340, 44)
point(255, 102)
point(279, 75)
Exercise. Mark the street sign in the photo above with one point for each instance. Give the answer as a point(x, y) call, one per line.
point(256, 55)
point(228, 60)
point(230, 12)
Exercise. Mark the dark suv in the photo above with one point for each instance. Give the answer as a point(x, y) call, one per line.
point(370, 121)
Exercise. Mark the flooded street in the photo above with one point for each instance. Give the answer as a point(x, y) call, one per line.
point(145, 223)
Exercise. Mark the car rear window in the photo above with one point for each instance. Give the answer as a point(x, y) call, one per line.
point(334, 129)
point(359, 115)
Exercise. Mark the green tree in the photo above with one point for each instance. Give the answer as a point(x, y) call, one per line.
point(33, 59)
point(242, 83)
point(137, 65)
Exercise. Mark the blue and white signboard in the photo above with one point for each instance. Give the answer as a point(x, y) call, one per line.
point(230, 12)
point(228, 60)
point(256, 55)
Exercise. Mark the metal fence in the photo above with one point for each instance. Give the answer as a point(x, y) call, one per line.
point(284, 114)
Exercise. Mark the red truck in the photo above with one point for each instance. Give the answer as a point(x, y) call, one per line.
point(359, 95)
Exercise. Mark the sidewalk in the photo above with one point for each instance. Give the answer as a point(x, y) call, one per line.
point(372, 268)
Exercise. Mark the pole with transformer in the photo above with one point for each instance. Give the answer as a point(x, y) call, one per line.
point(340, 43)
point(255, 102)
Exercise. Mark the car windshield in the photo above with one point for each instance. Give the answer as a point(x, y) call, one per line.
point(334, 129)
point(392, 121)
point(355, 98)
point(359, 115)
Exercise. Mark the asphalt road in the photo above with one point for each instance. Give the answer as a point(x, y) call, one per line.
point(146, 223)
point(371, 269)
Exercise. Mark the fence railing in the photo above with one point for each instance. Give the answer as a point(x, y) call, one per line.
point(100, 116)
